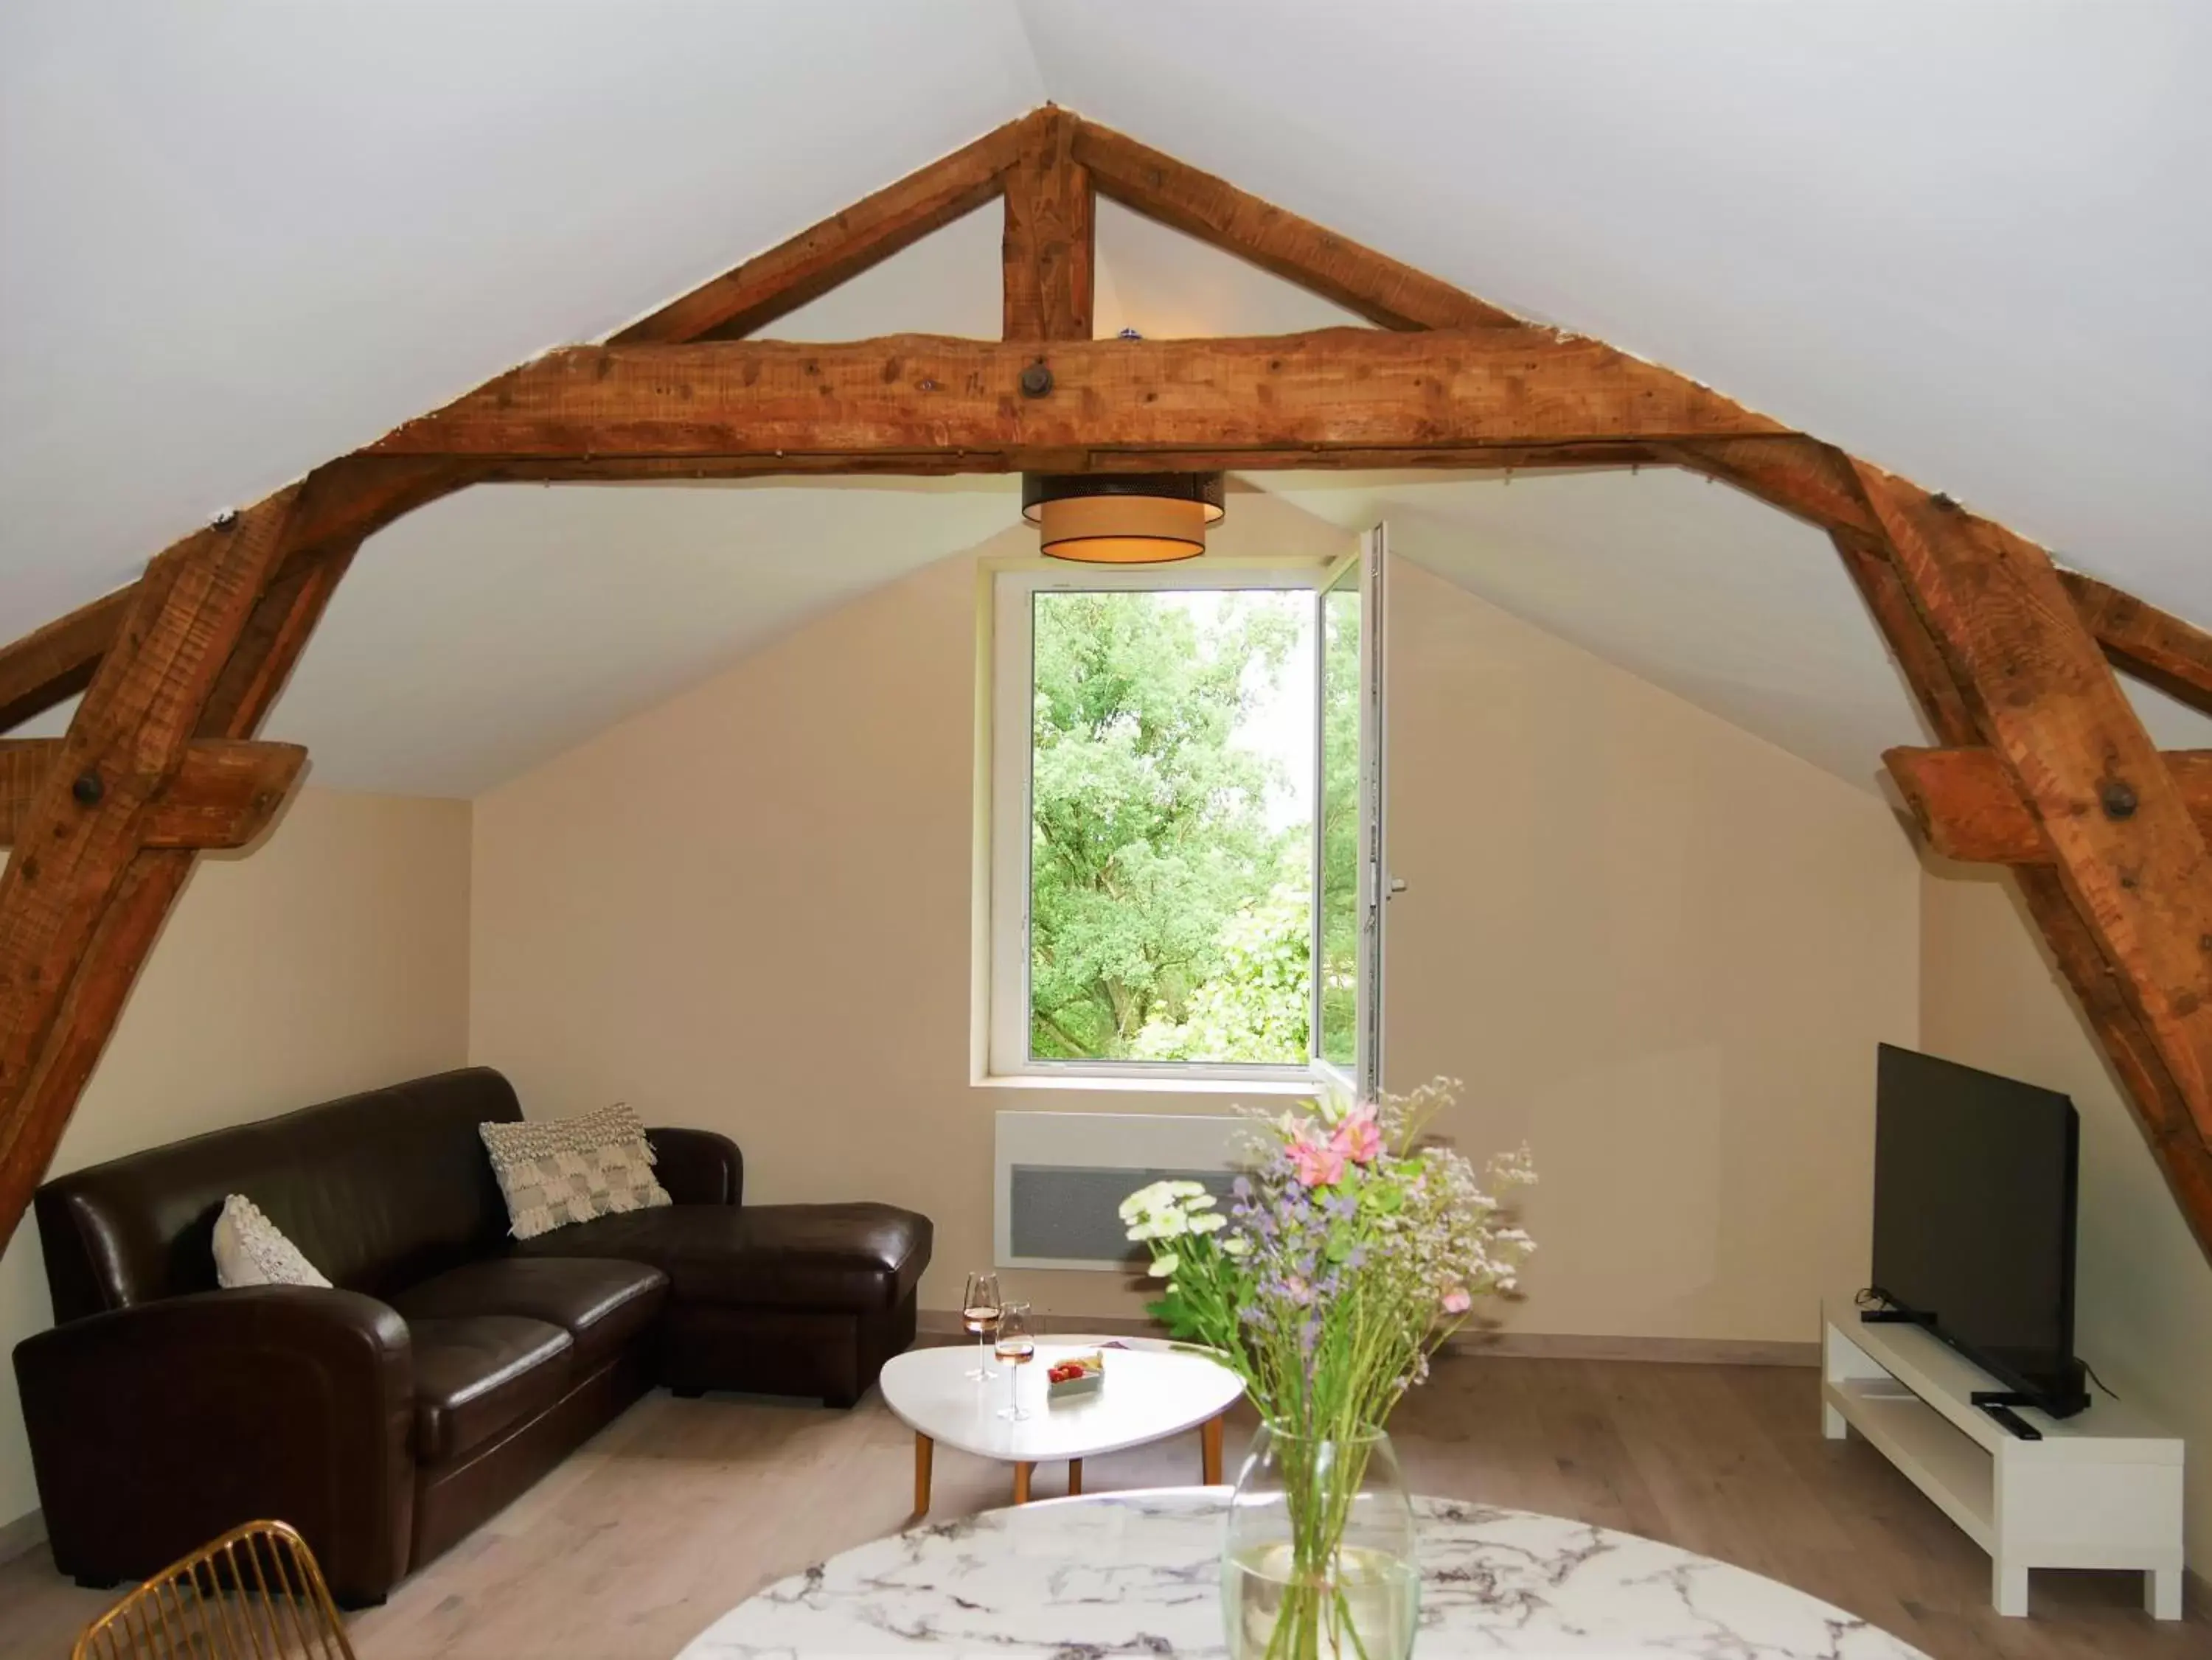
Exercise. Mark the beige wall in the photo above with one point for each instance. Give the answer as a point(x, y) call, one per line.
point(1660, 949)
point(2144, 1298)
point(335, 957)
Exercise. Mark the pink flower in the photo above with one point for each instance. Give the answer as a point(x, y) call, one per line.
point(1358, 1138)
point(1456, 1301)
point(1317, 1164)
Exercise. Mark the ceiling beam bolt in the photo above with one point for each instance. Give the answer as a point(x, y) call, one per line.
point(87, 790)
point(1946, 501)
point(225, 519)
point(2119, 800)
point(1036, 380)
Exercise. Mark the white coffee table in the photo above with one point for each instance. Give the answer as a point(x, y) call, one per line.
point(1152, 1390)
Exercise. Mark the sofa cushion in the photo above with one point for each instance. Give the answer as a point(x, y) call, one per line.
point(249, 1249)
point(799, 1256)
point(557, 1172)
point(479, 1374)
point(602, 1303)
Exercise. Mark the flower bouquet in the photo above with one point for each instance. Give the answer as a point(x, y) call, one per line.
point(1350, 1251)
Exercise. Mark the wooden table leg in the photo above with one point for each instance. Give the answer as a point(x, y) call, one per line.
point(923, 1449)
point(1022, 1483)
point(1074, 1477)
point(1209, 1442)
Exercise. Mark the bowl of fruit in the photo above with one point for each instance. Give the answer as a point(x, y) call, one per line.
point(1075, 1375)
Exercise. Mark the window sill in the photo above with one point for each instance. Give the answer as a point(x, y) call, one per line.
point(1126, 1084)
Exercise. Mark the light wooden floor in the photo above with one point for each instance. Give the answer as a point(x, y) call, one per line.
point(684, 1507)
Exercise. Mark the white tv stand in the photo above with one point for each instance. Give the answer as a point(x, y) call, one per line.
point(2101, 1489)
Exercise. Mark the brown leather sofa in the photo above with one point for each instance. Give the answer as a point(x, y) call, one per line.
point(450, 1369)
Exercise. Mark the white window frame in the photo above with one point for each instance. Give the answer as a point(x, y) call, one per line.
point(1364, 1082)
point(1365, 573)
point(1011, 666)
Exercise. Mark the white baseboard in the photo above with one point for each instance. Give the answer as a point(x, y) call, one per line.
point(1513, 1345)
point(22, 1535)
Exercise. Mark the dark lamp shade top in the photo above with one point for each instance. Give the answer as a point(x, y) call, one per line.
point(1151, 518)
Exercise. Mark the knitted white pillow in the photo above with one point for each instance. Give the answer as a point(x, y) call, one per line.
point(559, 1170)
point(249, 1249)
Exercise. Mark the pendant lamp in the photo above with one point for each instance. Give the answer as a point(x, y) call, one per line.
point(1121, 518)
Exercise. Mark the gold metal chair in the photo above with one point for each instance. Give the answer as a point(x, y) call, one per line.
point(254, 1594)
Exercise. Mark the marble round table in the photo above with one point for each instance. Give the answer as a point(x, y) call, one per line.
point(1137, 1573)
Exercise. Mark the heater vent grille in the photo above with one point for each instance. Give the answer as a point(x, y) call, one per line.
point(1062, 1178)
point(1071, 1215)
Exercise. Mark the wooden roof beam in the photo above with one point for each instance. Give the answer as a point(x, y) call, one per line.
point(1047, 256)
point(1473, 457)
point(1373, 285)
point(2161, 1110)
point(77, 838)
point(341, 502)
point(34, 1109)
point(804, 267)
point(1333, 398)
point(2152, 644)
point(223, 793)
point(2124, 843)
point(1965, 803)
point(1814, 481)
point(55, 663)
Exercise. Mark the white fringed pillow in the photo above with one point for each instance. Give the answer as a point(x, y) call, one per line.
point(560, 1171)
point(249, 1249)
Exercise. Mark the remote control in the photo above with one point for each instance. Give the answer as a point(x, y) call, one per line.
point(2012, 1421)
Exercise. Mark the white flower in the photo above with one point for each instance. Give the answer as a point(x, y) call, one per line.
point(1164, 1265)
point(1236, 1246)
point(1333, 1101)
point(1169, 1210)
point(1146, 1199)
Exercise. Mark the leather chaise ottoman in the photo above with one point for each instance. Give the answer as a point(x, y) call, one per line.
point(783, 1299)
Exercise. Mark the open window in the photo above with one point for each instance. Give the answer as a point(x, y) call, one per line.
point(1186, 835)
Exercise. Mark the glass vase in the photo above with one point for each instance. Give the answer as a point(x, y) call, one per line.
point(1318, 1563)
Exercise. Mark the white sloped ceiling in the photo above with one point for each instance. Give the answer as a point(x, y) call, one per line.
point(1967, 241)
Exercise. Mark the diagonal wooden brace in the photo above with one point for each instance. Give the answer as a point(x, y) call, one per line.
point(2124, 844)
point(74, 869)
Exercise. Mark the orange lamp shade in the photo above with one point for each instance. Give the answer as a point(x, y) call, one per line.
point(1104, 519)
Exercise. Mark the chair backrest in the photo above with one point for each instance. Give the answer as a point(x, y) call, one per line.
point(254, 1594)
point(377, 1190)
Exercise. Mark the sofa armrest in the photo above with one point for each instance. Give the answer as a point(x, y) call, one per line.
point(155, 1428)
point(698, 1167)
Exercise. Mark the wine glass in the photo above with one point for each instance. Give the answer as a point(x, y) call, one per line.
point(1017, 1347)
point(979, 1318)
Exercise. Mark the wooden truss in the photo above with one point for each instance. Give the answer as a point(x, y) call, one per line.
point(2044, 765)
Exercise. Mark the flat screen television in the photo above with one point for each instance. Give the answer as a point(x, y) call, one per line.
point(1973, 1219)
